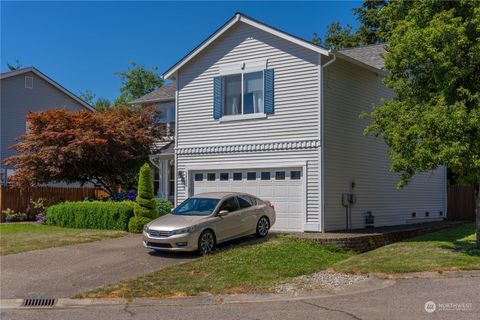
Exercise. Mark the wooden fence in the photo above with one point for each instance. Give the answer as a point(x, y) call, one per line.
point(20, 200)
point(461, 203)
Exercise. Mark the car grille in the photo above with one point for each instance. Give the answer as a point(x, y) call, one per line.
point(159, 234)
point(159, 245)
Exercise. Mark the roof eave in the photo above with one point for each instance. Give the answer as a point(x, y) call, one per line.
point(49, 80)
point(153, 100)
point(169, 74)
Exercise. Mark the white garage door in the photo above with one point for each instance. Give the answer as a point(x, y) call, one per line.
point(283, 187)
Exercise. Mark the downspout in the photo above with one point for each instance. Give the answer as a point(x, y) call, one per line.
point(322, 143)
point(175, 159)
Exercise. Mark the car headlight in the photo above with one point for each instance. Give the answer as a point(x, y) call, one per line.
point(183, 230)
point(145, 228)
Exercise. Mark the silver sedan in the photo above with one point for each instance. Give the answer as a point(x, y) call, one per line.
point(204, 220)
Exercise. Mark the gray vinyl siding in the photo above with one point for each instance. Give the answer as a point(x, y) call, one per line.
point(296, 116)
point(17, 101)
point(350, 156)
point(296, 91)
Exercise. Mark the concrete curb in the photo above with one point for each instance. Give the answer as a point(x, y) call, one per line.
point(65, 303)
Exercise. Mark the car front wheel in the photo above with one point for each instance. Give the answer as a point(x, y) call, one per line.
point(206, 242)
point(263, 226)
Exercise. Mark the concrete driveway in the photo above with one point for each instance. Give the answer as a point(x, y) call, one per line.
point(65, 271)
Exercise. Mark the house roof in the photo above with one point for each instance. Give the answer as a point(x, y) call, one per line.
point(370, 55)
point(13, 73)
point(166, 145)
point(240, 17)
point(163, 94)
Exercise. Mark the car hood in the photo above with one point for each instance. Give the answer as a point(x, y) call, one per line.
point(170, 222)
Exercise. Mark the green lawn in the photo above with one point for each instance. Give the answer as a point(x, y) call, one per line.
point(239, 270)
point(258, 267)
point(21, 237)
point(449, 249)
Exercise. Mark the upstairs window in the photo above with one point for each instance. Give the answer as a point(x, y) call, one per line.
point(246, 93)
point(243, 93)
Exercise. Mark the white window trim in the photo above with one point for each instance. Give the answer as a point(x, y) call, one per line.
point(242, 69)
point(246, 66)
point(239, 117)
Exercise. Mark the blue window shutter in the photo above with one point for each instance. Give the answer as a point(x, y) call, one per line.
point(217, 98)
point(268, 91)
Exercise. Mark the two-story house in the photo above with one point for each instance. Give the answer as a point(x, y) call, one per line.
point(261, 111)
point(23, 91)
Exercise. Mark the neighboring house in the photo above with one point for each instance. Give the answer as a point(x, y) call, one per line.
point(163, 156)
point(26, 90)
point(264, 112)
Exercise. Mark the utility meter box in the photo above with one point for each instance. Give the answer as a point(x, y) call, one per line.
point(348, 199)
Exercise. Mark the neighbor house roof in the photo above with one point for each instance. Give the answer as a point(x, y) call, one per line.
point(370, 55)
point(240, 17)
point(165, 93)
point(13, 73)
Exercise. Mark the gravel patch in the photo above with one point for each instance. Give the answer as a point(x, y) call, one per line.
point(322, 280)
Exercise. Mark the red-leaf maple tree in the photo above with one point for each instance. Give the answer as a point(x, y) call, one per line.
point(106, 149)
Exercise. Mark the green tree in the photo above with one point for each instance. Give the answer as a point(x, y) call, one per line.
point(102, 104)
point(338, 37)
point(87, 96)
point(370, 30)
point(433, 56)
point(136, 82)
point(372, 23)
point(145, 208)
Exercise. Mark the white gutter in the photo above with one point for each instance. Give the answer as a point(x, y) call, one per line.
point(321, 196)
point(331, 61)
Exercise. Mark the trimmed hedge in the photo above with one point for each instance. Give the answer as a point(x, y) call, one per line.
point(91, 215)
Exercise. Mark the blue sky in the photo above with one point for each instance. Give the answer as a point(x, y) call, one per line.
point(82, 44)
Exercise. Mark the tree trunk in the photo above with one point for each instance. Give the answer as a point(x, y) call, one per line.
point(477, 214)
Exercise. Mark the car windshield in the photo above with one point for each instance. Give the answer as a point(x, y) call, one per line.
point(196, 207)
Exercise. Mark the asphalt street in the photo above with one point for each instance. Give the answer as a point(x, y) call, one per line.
point(452, 297)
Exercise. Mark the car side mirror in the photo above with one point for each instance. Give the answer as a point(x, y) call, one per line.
point(223, 213)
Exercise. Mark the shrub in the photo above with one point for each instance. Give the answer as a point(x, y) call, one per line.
point(40, 207)
point(136, 224)
point(163, 206)
point(11, 216)
point(91, 215)
point(9, 213)
point(145, 205)
point(41, 218)
point(145, 182)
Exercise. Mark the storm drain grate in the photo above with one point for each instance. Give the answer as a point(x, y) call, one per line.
point(39, 302)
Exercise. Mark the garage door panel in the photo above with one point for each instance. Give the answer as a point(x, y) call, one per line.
point(265, 192)
point(280, 191)
point(284, 190)
point(237, 188)
point(252, 189)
